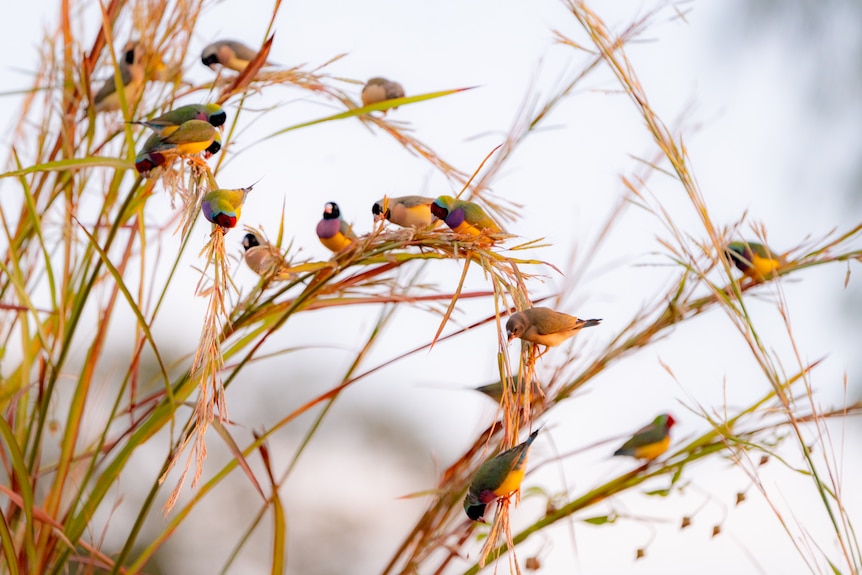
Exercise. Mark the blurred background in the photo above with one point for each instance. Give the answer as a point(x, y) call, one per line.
point(766, 97)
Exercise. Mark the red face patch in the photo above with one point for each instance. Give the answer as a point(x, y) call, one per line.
point(225, 220)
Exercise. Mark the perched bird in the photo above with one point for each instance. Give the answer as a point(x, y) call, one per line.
point(334, 232)
point(131, 66)
point(229, 53)
point(154, 155)
point(649, 441)
point(169, 122)
point(494, 390)
point(265, 259)
point(379, 90)
point(223, 207)
point(406, 211)
point(496, 478)
point(545, 326)
point(463, 217)
point(192, 137)
point(755, 260)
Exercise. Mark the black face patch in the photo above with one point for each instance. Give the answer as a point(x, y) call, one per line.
point(377, 209)
point(738, 257)
point(476, 512)
point(250, 241)
point(333, 213)
point(129, 57)
point(218, 119)
point(209, 60)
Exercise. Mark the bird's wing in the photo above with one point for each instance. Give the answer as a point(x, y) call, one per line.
point(172, 118)
point(242, 51)
point(412, 201)
point(646, 435)
point(106, 90)
point(548, 321)
point(347, 230)
point(762, 251)
point(191, 131)
point(477, 216)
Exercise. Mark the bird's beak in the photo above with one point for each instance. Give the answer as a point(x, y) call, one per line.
point(509, 337)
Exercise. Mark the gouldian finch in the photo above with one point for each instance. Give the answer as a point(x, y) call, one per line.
point(406, 211)
point(755, 260)
point(150, 158)
point(265, 259)
point(545, 326)
point(229, 53)
point(649, 441)
point(169, 122)
point(496, 478)
point(380, 89)
point(334, 232)
point(223, 207)
point(131, 66)
point(190, 138)
point(463, 217)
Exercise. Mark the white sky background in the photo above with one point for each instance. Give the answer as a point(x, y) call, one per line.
point(755, 145)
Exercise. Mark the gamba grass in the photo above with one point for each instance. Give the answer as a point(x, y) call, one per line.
point(68, 257)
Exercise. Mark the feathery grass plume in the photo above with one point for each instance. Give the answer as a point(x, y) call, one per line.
point(208, 361)
point(408, 142)
point(681, 302)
